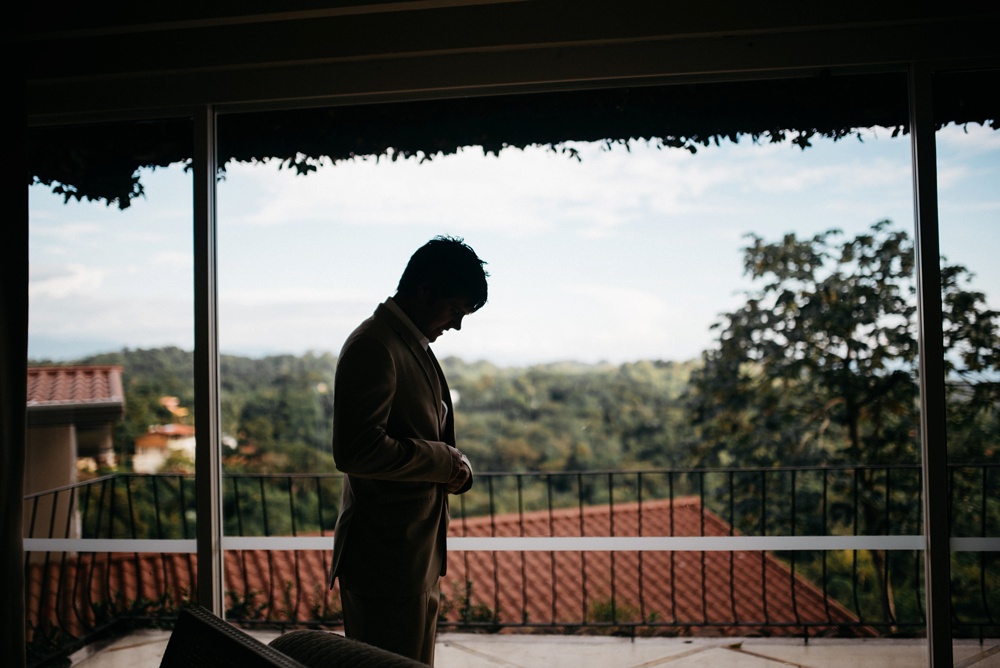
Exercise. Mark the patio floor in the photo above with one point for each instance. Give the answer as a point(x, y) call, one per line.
point(143, 649)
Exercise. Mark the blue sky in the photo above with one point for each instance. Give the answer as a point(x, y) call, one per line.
point(623, 255)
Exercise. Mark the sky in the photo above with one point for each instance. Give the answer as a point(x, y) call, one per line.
point(620, 256)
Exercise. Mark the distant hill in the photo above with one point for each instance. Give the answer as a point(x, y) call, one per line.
point(557, 416)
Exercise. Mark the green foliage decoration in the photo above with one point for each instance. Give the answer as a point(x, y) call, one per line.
point(103, 162)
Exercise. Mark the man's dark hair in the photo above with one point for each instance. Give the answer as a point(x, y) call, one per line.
point(448, 267)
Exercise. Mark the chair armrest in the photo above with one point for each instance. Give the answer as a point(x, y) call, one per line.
point(202, 639)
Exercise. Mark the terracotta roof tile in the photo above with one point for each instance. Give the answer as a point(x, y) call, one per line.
point(688, 588)
point(62, 385)
point(161, 435)
point(713, 592)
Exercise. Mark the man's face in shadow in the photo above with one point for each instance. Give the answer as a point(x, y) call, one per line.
point(434, 315)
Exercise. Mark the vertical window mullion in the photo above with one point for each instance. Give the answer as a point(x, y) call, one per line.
point(933, 433)
point(208, 453)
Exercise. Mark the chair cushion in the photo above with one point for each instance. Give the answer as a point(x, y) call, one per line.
point(322, 649)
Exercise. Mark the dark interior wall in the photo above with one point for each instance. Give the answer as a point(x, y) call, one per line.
point(13, 364)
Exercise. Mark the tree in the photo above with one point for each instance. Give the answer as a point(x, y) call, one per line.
point(820, 366)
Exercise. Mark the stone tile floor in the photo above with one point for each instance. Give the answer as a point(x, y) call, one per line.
point(143, 649)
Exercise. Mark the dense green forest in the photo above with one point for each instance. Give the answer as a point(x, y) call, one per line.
point(556, 417)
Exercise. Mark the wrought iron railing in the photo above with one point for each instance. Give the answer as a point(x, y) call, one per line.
point(806, 551)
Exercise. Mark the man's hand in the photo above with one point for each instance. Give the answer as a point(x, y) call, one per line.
point(461, 481)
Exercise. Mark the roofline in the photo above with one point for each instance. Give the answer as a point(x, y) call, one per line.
point(80, 413)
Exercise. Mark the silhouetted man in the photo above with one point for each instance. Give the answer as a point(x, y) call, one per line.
point(394, 438)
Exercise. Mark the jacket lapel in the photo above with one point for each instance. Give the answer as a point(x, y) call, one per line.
point(432, 372)
point(445, 398)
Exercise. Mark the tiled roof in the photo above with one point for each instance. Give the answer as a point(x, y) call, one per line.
point(698, 592)
point(694, 589)
point(174, 430)
point(63, 591)
point(161, 435)
point(69, 385)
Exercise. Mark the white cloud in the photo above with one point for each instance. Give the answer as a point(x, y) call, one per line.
point(523, 193)
point(288, 327)
point(46, 229)
point(298, 295)
point(973, 139)
point(173, 259)
point(58, 282)
point(135, 321)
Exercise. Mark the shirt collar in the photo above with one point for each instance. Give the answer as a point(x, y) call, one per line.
point(398, 312)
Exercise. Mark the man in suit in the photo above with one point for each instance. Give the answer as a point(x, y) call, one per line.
point(394, 439)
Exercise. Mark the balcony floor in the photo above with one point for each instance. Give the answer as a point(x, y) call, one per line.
point(143, 649)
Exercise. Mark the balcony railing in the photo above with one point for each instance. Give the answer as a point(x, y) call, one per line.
point(804, 551)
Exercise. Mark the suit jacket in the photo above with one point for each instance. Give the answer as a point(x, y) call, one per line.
point(394, 440)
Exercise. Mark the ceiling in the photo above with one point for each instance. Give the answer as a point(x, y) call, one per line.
point(100, 60)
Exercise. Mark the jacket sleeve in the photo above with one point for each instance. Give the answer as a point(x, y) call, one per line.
point(365, 388)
